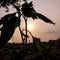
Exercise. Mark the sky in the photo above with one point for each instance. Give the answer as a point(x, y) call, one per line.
point(42, 30)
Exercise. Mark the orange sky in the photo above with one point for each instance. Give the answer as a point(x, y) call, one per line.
point(45, 31)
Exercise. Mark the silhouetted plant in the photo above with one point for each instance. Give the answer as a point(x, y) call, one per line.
point(9, 21)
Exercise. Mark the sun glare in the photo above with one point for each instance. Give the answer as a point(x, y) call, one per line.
point(30, 26)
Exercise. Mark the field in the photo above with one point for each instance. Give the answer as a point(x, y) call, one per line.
point(35, 51)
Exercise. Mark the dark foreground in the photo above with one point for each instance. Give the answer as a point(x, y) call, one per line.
point(35, 51)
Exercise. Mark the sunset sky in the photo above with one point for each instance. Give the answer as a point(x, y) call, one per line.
point(40, 29)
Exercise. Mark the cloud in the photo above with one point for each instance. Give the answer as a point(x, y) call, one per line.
point(52, 32)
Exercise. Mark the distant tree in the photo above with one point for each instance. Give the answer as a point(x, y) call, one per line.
point(11, 21)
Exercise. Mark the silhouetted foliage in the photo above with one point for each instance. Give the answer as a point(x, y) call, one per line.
point(35, 51)
point(14, 51)
point(5, 3)
point(10, 22)
point(29, 11)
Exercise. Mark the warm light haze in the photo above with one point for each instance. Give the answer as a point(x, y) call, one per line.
point(30, 26)
point(40, 29)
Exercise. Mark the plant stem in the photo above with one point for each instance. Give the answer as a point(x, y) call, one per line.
point(26, 32)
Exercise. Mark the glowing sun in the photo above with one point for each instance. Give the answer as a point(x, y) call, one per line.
point(30, 26)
